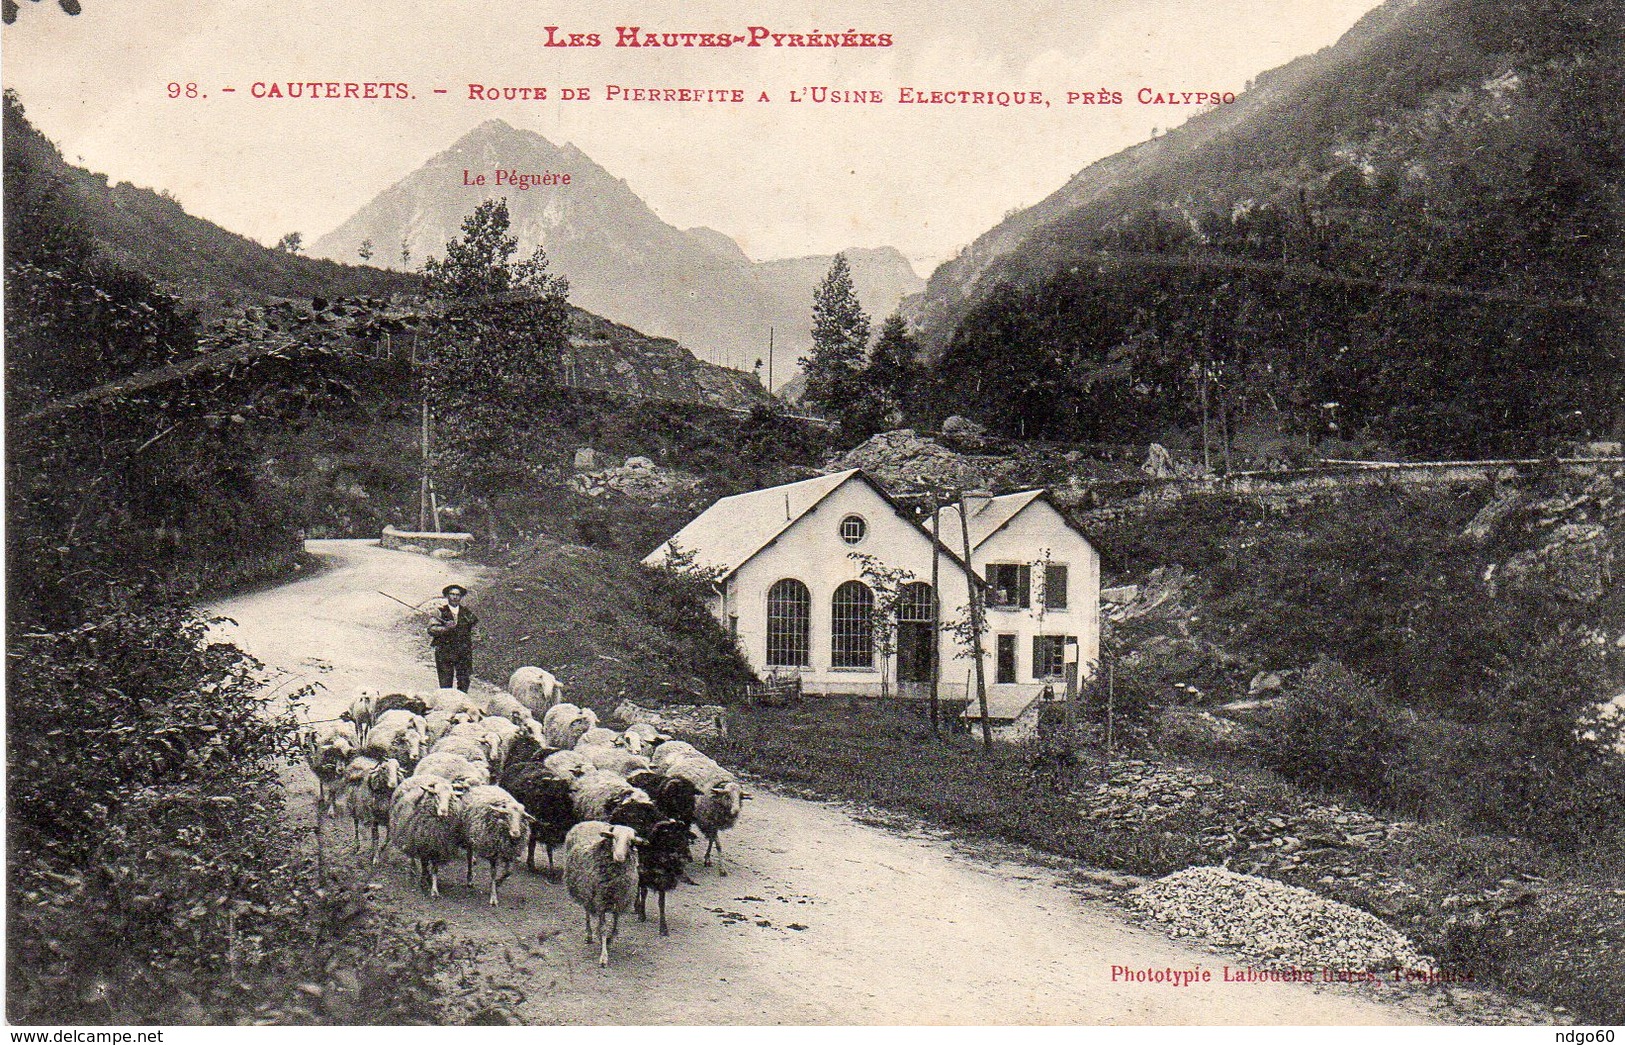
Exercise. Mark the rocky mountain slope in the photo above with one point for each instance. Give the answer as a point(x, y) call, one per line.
point(622, 260)
point(151, 233)
point(249, 294)
point(1394, 92)
point(1420, 224)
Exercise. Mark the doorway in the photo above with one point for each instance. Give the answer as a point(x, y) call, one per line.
point(1005, 670)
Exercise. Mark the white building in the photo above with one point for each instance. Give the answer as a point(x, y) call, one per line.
point(805, 573)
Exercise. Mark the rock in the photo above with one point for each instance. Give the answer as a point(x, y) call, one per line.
point(1500, 505)
point(586, 459)
point(1575, 563)
point(415, 549)
point(642, 464)
point(1282, 925)
point(445, 553)
point(1265, 682)
point(963, 428)
point(1158, 463)
point(1125, 594)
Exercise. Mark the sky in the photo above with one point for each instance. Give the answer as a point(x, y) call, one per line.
point(784, 179)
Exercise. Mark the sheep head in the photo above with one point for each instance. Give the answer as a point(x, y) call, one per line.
point(386, 776)
point(730, 793)
point(620, 838)
point(439, 792)
point(517, 818)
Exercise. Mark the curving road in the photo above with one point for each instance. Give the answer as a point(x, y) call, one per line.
point(823, 919)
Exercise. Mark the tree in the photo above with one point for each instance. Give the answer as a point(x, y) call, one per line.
point(481, 264)
point(495, 362)
point(406, 253)
point(887, 583)
point(365, 250)
point(892, 369)
point(840, 335)
point(292, 242)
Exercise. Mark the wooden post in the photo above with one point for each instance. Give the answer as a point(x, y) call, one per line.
point(423, 483)
point(1207, 461)
point(975, 593)
point(936, 603)
point(1106, 763)
point(770, 360)
point(1070, 657)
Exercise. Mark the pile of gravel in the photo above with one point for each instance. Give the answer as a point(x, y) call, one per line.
point(1279, 925)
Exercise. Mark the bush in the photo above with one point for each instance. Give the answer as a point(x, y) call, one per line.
point(152, 876)
point(1334, 731)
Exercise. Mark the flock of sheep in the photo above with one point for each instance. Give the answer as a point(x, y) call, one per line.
point(441, 775)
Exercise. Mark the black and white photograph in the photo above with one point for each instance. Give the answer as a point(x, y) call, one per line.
point(810, 513)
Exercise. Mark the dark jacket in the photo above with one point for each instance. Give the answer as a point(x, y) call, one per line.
point(448, 638)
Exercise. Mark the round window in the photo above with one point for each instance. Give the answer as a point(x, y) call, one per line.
point(853, 529)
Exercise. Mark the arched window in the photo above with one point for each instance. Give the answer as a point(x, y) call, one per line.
point(789, 624)
point(852, 635)
point(914, 603)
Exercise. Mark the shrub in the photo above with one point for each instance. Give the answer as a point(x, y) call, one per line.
point(152, 875)
point(1334, 731)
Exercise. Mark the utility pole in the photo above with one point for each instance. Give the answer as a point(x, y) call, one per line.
point(423, 482)
point(936, 602)
point(975, 593)
point(770, 360)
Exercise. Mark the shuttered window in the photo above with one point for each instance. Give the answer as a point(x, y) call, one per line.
point(1049, 656)
point(1055, 585)
point(1010, 584)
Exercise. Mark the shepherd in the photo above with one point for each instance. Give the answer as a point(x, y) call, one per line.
point(451, 633)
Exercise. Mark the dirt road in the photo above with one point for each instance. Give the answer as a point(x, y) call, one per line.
point(822, 919)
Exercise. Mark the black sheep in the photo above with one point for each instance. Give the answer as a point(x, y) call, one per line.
point(661, 857)
point(402, 702)
point(676, 798)
point(526, 749)
point(636, 813)
point(545, 797)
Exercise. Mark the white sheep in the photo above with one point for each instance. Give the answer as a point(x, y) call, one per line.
point(536, 688)
point(455, 768)
point(671, 751)
point(500, 733)
point(361, 711)
point(438, 723)
point(641, 738)
point(614, 759)
point(597, 736)
point(470, 748)
point(328, 752)
point(565, 723)
point(449, 699)
point(601, 872)
point(495, 824)
point(371, 788)
point(598, 794)
point(397, 734)
point(503, 705)
point(568, 765)
point(425, 823)
point(717, 807)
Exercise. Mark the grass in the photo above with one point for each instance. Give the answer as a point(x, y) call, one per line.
point(1556, 940)
point(606, 627)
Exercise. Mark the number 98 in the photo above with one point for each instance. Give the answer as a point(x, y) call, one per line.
point(182, 90)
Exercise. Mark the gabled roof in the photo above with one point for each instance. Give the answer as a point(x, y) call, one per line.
point(988, 515)
point(733, 530)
